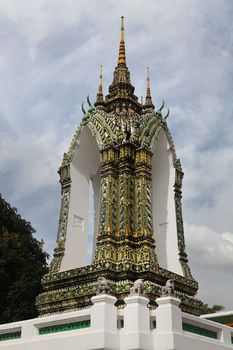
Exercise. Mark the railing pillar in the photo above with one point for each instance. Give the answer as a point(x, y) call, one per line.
point(226, 336)
point(168, 315)
point(136, 315)
point(28, 330)
point(136, 324)
point(104, 321)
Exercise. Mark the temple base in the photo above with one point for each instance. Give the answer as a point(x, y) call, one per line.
point(73, 289)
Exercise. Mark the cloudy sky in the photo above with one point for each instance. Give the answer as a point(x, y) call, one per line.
point(50, 52)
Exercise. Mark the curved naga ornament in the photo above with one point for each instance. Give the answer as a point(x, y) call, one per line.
point(89, 102)
point(83, 110)
point(167, 115)
point(162, 106)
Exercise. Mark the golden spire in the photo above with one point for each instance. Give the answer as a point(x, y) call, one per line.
point(121, 57)
point(99, 96)
point(148, 102)
point(121, 85)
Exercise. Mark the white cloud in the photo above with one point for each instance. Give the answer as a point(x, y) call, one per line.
point(32, 161)
point(211, 249)
point(211, 260)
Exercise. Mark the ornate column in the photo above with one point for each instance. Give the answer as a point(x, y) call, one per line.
point(65, 181)
point(126, 170)
point(143, 214)
point(108, 206)
point(125, 204)
point(143, 227)
point(179, 220)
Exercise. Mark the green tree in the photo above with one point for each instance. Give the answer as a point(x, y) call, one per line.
point(213, 309)
point(22, 264)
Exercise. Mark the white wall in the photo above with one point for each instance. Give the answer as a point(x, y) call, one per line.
point(163, 205)
point(84, 167)
point(102, 332)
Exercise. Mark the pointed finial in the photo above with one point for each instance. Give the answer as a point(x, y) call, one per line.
point(141, 100)
point(101, 81)
point(122, 28)
point(121, 57)
point(148, 82)
point(99, 96)
point(148, 102)
point(121, 84)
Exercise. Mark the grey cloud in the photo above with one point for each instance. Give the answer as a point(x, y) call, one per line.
point(211, 256)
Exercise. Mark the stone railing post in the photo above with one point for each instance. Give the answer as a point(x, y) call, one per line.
point(168, 315)
point(28, 330)
point(136, 323)
point(226, 335)
point(104, 321)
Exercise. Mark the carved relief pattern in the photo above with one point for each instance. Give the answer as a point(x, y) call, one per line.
point(64, 214)
point(62, 227)
point(114, 203)
point(121, 202)
point(119, 241)
point(149, 207)
point(103, 201)
point(108, 224)
point(179, 220)
point(138, 212)
point(126, 204)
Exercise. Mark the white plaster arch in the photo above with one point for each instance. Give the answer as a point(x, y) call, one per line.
point(84, 168)
point(163, 204)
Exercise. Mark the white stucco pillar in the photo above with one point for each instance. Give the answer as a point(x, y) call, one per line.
point(168, 315)
point(168, 323)
point(136, 316)
point(226, 335)
point(136, 323)
point(28, 330)
point(104, 321)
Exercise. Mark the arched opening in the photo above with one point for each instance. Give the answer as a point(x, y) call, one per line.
point(84, 203)
point(163, 205)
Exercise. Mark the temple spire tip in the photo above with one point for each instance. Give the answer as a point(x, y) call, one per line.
point(122, 57)
point(122, 27)
point(99, 96)
point(148, 103)
point(148, 81)
point(101, 80)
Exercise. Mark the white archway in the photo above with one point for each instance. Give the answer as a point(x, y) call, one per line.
point(84, 172)
point(163, 205)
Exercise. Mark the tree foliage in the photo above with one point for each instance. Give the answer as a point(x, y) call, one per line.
point(22, 264)
point(213, 309)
